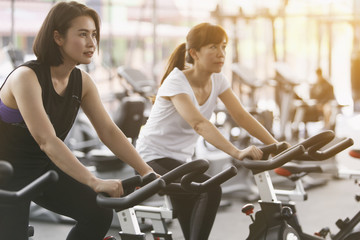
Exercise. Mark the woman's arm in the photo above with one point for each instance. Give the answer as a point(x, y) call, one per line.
point(25, 94)
point(108, 132)
point(244, 119)
point(207, 130)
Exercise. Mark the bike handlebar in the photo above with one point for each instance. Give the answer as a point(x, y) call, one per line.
point(153, 187)
point(6, 171)
point(136, 181)
point(190, 186)
point(309, 149)
point(323, 137)
point(29, 191)
point(263, 165)
point(315, 154)
point(197, 166)
point(314, 144)
point(133, 198)
point(188, 183)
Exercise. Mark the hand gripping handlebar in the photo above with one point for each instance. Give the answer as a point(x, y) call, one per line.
point(135, 197)
point(308, 149)
point(29, 191)
point(263, 165)
point(130, 184)
point(188, 183)
point(168, 179)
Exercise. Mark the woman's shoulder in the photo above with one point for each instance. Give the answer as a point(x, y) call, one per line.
point(177, 73)
point(26, 70)
point(176, 76)
point(219, 78)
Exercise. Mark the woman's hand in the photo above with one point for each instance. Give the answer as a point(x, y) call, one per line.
point(148, 171)
point(251, 151)
point(288, 145)
point(112, 187)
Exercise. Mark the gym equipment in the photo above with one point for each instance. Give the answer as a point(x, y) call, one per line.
point(11, 57)
point(6, 171)
point(355, 153)
point(285, 96)
point(128, 216)
point(247, 78)
point(26, 193)
point(277, 220)
point(295, 173)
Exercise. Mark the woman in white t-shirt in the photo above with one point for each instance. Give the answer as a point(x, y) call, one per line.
point(180, 114)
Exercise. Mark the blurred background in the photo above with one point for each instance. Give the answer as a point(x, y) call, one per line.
point(303, 34)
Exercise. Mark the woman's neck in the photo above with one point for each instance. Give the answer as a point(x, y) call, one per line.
point(197, 78)
point(61, 72)
point(60, 77)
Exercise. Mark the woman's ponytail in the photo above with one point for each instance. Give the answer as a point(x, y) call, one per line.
point(177, 59)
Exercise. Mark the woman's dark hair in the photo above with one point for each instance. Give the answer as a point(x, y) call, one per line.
point(59, 19)
point(199, 36)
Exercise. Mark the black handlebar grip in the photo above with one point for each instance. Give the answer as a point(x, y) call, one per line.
point(269, 149)
point(132, 199)
point(6, 171)
point(31, 190)
point(148, 178)
point(313, 143)
point(282, 146)
point(187, 182)
point(131, 183)
point(323, 137)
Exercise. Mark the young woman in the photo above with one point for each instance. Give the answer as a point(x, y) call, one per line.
point(38, 104)
point(181, 112)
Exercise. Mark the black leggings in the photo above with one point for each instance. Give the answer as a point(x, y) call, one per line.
point(66, 197)
point(196, 212)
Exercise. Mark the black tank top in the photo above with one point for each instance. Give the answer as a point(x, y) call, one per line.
point(16, 142)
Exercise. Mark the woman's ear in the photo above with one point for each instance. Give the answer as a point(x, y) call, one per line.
point(58, 38)
point(193, 54)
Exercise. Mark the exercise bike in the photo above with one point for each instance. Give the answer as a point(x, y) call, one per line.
point(26, 193)
point(277, 220)
point(149, 186)
point(346, 227)
point(128, 213)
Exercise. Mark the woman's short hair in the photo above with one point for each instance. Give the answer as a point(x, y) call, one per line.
point(59, 19)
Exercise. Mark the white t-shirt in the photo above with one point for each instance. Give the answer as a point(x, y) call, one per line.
point(166, 133)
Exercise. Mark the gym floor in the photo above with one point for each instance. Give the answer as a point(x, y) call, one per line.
point(325, 204)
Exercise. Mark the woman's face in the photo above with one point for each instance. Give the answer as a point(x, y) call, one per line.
point(211, 57)
point(79, 43)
